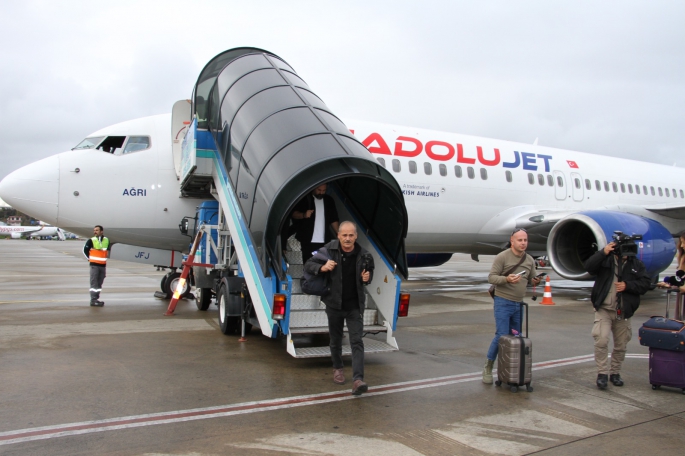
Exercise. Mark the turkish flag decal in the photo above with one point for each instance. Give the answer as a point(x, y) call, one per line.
point(572, 164)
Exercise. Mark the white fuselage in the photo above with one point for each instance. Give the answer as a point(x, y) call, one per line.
point(136, 197)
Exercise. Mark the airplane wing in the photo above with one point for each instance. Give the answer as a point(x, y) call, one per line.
point(674, 211)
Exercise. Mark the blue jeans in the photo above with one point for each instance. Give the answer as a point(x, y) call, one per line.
point(507, 317)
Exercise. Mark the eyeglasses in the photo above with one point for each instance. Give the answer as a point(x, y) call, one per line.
point(517, 230)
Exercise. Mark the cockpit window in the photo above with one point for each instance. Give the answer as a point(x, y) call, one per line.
point(89, 143)
point(112, 144)
point(136, 143)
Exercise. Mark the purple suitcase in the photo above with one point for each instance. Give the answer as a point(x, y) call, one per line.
point(666, 368)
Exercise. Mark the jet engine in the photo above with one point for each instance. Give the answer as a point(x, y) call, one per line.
point(576, 237)
point(425, 260)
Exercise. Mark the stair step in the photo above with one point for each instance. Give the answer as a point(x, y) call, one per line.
point(293, 257)
point(324, 329)
point(305, 302)
point(297, 287)
point(296, 271)
point(306, 319)
point(293, 244)
point(370, 346)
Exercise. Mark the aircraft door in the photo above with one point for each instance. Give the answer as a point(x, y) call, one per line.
point(559, 185)
point(577, 186)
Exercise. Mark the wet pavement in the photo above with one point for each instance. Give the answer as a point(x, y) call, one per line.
point(124, 379)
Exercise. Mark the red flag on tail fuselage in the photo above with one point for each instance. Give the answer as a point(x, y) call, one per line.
point(572, 164)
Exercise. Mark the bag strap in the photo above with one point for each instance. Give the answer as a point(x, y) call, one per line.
point(517, 265)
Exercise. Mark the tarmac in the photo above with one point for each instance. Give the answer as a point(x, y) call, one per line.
point(126, 380)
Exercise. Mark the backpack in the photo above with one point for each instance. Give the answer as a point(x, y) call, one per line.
point(317, 285)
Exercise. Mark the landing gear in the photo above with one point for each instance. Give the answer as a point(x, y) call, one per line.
point(203, 298)
point(170, 282)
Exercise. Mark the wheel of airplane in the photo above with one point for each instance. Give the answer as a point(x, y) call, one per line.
point(203, 297)
point(172, 282)
point(162, 284)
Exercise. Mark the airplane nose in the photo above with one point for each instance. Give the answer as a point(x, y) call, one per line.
point(34, 189)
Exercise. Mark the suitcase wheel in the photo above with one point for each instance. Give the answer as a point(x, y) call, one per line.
point(514, 389)
point(529, 388)
point(656, 387)
point(498, 383)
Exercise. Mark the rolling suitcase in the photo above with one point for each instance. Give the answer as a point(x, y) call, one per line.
point(662, 332)
point(666, 341)
point(515, 359)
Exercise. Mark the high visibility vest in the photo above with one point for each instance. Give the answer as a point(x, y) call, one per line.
point(98, 253)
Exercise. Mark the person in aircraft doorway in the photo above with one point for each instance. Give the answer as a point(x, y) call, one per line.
point(315, 216)
point(95, 250)
point(510, 289)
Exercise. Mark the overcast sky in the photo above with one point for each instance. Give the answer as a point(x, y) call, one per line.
point(600, 77)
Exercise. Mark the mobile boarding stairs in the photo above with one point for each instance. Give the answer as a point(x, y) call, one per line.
point(256, 141)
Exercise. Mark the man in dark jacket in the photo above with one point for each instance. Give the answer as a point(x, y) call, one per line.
point(615, 297)
point(349, 269)
point(315, 220)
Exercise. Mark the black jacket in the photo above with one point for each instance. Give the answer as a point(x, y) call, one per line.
point(304, 228)
point(334, 298)
point(634, 275)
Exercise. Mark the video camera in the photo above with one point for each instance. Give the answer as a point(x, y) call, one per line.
point(625, 244)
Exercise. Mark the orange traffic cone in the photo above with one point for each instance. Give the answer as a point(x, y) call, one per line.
point(547, 297)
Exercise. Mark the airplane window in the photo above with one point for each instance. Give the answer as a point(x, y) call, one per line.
point(89, 143)
point(598, 186)
point(661, 192)
point(427, 168)
point(681, 194)
point(615, 187)
point(644, 190)
point(509, 178)
point(667, 192)
point(674, 194)
point(606, 186)
point(531, 179)
point(470, 172)
point(588, 184)
point(412, 166)
point(576, 182)
point(541, 179)
point(443, 169)
point(630, 188)
point(381, 161)
point(457, 171)
point(560, 181)
point(111, 144)
point(652, 190)
point(484, 174)
point(136, 143)
point(550, 180)
point(623, 187)
point(396, 165)
point(637, 189)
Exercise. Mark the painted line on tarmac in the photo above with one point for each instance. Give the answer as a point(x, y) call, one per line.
point(128, 422)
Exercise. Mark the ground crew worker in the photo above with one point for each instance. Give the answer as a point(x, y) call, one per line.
point(95, 251)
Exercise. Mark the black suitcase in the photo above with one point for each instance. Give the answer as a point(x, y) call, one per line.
point(663, 333)
point(515, 359)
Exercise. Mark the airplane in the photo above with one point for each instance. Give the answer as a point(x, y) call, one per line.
point(37, 231)
point(458, 193)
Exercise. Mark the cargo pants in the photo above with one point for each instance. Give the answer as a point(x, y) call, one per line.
point(605, 325)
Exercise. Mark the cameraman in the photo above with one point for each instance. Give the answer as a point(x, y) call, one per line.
point(621, 279)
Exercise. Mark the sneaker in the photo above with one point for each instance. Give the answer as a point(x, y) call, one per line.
point(359, 387)
point(602, 381)
point(616, 379)
point(338, 377)
point(96, 303)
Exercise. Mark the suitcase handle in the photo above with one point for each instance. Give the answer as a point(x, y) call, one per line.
point(523, 304)
point(668, 298)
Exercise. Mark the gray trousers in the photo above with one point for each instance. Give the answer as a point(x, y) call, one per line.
point(355, 328)
point(97, 276)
